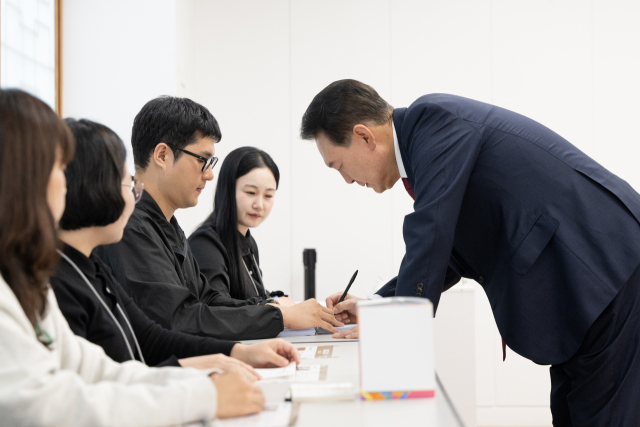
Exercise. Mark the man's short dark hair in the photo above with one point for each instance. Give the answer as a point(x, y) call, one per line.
point(172, 120)
point(339, 107)
point(94, 177)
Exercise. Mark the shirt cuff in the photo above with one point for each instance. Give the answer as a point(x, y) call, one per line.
point(172, 361)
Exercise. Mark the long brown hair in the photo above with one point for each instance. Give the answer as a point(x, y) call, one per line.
point(30, 135)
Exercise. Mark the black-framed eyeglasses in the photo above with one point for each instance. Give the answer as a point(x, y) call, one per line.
point(211, 161)
point(137, 188)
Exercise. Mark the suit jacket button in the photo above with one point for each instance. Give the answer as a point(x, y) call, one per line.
point(480, 280)
point(420, 286)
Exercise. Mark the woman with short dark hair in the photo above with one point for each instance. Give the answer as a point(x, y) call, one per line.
point(48, 375)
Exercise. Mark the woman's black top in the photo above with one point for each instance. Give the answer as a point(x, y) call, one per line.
point(213, 260)
point(89, 319)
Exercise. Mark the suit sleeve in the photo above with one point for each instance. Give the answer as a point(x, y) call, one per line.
point(389, 289)
point(155, 286)
point(442, 150)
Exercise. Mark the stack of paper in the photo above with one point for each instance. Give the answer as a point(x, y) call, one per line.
point(277, 415)
point(286, 332)
point(322, 392)
point(322, 331)
point(279, 373)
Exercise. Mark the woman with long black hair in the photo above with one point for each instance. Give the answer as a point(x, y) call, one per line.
point(223, 245)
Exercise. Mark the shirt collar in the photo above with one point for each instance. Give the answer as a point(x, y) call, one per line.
point(148, 204)
point(171, 228)
point(396, 146)
point(245, 243)
point(85, 264)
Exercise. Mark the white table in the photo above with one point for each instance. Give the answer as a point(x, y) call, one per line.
point(343, 367)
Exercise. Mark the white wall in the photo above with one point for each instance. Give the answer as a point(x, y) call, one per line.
point(116, 56)
point(570, 64)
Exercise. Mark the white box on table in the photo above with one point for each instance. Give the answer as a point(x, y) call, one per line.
point(396, 348)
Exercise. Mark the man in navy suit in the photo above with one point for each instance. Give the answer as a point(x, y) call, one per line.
point(552, 236)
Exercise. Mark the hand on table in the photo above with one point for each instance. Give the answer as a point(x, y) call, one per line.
point(350, 334)
point(285, 301)
point(309, 314)
point(267, 354)
point(237, 395)
point(346, 313)
point(219, 361)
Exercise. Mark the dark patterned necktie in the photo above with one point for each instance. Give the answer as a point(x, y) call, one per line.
point(407, 186)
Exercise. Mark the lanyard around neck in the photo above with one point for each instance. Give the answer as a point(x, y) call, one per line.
point(251, 275)
point(104, 304)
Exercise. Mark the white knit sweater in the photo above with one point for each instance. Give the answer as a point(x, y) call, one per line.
point(75, 384)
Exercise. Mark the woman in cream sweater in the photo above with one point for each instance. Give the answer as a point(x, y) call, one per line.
point(49, 376)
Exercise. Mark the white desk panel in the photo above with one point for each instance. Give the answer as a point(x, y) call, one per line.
point(436, 411)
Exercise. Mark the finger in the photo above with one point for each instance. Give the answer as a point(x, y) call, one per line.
point(342, 317)
point(251, 377)
point(290, 351)
point(329, 327)
point(331, 319)
point(253, 372)
point(329, 302)
point(275, 359)
point(333, 299)
point(352, 333)
point(347, 305)
point(327, 310)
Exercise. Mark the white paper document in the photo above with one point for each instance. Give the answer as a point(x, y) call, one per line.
point(286, 332)
point(279, 373)
point(310, 373)
point(273, 415)
point(316, 352)
point(307, 352)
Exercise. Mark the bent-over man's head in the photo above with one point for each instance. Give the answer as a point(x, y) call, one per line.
point(352, 127)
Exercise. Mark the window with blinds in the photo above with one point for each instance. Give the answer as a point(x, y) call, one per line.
point(28, 48)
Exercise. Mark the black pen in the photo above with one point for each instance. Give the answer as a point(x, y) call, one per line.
point(348, 286)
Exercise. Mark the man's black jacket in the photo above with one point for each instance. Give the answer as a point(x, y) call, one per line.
point(154, 263)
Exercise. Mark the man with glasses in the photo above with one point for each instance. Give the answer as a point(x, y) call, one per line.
point(173, 148)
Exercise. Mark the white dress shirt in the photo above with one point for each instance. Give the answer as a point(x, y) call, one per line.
point(396, 146)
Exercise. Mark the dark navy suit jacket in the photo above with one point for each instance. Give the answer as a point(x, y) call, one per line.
point(550, 234)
